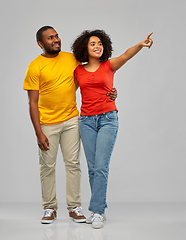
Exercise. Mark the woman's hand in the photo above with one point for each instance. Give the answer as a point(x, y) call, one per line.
point(147, 42)
point(118, 62)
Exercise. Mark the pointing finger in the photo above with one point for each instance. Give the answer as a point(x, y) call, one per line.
point(149, 35)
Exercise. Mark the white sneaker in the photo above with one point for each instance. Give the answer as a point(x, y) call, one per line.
point(104, 217)
point(89, 219)
point(97, 221)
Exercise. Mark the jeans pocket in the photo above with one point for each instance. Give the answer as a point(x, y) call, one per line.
point(112, 116)
point(82, 118)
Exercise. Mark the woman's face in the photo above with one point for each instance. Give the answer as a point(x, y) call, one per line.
point(95, 47)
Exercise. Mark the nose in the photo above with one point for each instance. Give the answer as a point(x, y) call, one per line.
point(97, 45)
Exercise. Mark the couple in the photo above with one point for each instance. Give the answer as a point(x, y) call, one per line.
point(51, 81)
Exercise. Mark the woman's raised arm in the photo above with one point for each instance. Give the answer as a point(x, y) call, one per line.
point(118, 62)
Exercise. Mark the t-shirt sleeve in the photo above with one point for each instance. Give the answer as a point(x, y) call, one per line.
point(31, 81)
point(109, 65)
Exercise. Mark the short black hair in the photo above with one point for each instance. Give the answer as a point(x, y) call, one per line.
point(40, 31)
point(79, 46)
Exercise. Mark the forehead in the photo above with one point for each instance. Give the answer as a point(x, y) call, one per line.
point(49, 32)
point(94, 39)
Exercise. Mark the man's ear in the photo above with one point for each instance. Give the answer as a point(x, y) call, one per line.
point(40, 44)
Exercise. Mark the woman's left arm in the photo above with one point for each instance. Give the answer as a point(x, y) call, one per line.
point(118, 62)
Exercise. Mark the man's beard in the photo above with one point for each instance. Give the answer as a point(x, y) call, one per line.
point(51, 51)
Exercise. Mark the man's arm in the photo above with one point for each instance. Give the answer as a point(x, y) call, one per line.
point(76, 83)
point(113, 95)
point(33, 96)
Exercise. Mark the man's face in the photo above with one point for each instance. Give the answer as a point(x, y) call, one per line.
point(51, 43)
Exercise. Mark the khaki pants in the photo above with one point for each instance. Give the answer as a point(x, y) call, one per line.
point(65, 134)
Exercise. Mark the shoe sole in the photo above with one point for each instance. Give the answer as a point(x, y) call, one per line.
point(48, 221)
point(88, 222)
point(97, 226)
point(78, 220)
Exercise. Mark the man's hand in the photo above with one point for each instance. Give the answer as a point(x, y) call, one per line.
point(113, 95)
point(43, 142)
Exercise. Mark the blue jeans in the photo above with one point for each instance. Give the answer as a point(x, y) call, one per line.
point(98, 134)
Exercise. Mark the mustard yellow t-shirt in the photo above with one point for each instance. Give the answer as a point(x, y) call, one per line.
point(54, 78)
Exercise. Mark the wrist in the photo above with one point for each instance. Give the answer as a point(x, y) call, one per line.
point(141, 45)
point(39, 133)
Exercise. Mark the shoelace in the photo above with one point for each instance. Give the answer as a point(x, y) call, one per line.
point(91, 217)
point(97, 217)
point(78, 211)
point(48, 212)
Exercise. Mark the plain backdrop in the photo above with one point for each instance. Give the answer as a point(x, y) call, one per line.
point(148, 163)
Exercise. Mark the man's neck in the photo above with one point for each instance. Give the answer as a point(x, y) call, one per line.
point(49, 55)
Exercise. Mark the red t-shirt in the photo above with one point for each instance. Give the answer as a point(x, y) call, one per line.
point(94, 88)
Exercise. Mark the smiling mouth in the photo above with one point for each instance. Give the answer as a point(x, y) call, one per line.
point(97, 51)
point(56, 45)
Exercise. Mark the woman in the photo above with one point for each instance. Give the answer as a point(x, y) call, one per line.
point(98, 120)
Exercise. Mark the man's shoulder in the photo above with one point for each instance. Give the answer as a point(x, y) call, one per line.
point(69, 58)
point(67, 54)
point(35, 61)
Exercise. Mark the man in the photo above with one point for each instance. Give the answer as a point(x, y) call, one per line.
point(51, 90)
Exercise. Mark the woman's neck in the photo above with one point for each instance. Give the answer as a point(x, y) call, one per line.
point(92, 65)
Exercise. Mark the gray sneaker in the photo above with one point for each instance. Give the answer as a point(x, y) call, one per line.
point(89, 219)
point(97, 221)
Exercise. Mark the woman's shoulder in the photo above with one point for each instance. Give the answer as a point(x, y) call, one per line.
point(80, 67)
point(79, 70)
point(107, 64)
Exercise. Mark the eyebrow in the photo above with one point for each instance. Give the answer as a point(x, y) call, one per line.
point(53, 35)
point(94, 42)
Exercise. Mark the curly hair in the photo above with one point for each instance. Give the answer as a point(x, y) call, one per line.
point(79, 46)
